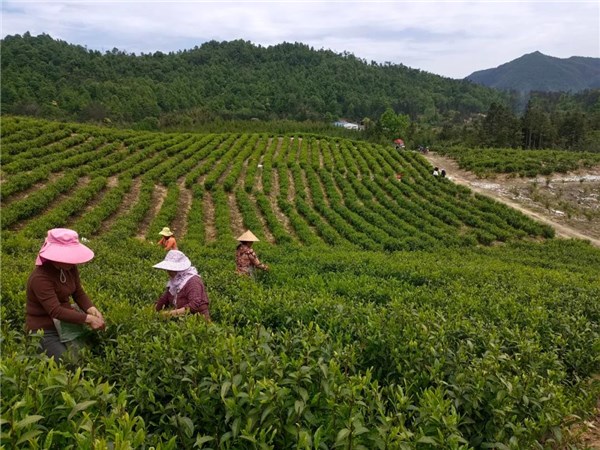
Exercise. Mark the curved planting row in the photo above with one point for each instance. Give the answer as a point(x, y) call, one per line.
point(304, 189)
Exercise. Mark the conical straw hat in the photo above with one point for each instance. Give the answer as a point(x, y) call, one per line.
point(248, 236)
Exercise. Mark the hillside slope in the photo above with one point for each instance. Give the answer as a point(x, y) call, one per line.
point(41, 75)
point(396, 313)
point(298, 188)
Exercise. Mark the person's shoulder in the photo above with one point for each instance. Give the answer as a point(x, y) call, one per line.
point(43, 271)
point(195, 281)
point(41, 274)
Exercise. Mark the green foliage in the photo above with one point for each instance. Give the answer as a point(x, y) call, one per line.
point(219, 81)
point(394, 125)
point(345, 348)
point(386, 320)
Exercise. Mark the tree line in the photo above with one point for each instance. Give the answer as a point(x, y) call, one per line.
point(218, 85)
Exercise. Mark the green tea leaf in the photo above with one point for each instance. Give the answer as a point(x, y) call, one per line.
point(81, 407)
point(28, 421)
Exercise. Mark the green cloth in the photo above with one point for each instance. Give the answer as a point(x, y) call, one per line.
point(69, 331)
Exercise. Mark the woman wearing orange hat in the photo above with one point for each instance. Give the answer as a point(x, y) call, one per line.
point(51, 285)
point(245, 257)
point(167, 240)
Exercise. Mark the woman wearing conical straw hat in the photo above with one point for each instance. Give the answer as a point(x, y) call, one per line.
point(245, 257)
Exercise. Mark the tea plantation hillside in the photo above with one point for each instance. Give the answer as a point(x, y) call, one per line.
point(290, 189)
point(397, 314)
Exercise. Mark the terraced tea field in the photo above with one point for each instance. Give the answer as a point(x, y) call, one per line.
point(406, 313)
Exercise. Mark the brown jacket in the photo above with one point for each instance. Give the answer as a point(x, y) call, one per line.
point(48, 298)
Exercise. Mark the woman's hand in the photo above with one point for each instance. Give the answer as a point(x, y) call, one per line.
point(93, 311)
point(173, 312)
point(95, 323)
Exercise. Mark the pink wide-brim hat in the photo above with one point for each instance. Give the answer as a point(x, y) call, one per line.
point(62, 245)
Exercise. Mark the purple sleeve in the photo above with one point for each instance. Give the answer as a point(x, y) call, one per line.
point(163, 301)
point(197, 297)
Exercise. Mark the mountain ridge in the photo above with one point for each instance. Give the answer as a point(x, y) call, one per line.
point(539, 72)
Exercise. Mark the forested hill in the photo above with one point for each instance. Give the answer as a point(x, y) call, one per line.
point(539, 72)
point(52, 78)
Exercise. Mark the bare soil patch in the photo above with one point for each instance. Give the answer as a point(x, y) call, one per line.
point(208, 212)
point(281, 217)
point(570, 203)
point(180, 224)
point(81, 182)
point(585, 434)
point(237, 221)
point(129, 200)
point(158, 197)
point(32, 189)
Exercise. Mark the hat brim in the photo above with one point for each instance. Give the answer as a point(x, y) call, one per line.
point(248, 236)
point(73, 254)
point(175, 267)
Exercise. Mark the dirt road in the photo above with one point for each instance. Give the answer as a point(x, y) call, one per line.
point(498, 190)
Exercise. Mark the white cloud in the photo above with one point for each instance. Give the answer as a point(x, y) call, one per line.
point(450, 38)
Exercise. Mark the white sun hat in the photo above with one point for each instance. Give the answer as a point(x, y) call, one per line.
point(175, 261)
point(248, 236)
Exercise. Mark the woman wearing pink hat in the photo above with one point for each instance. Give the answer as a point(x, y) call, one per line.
point(185, 291)
point(51, 285)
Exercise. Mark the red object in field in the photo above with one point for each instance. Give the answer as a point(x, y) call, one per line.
point(398, 141)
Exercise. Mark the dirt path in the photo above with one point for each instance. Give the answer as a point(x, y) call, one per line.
point(180, 224)
point(489, 189)
point(129, 200)
point(208, 213)
point(158, 197)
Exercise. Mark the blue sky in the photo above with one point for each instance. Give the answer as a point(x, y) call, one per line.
point(449, 38)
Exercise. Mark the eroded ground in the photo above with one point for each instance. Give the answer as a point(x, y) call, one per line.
point(569, 202)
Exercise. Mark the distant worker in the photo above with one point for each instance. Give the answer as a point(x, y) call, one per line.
point(185, 291)
point(436, 172)
point(245, 257)
point(399, 176)
point(167, 240)
point(50, 287)
point(443, 173)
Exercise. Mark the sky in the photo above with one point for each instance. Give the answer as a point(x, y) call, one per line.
point(448, 38)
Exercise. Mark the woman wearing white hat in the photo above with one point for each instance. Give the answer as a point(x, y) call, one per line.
point(245, 257)
point(50, 287)
point(185, 291)
point(167, 240)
